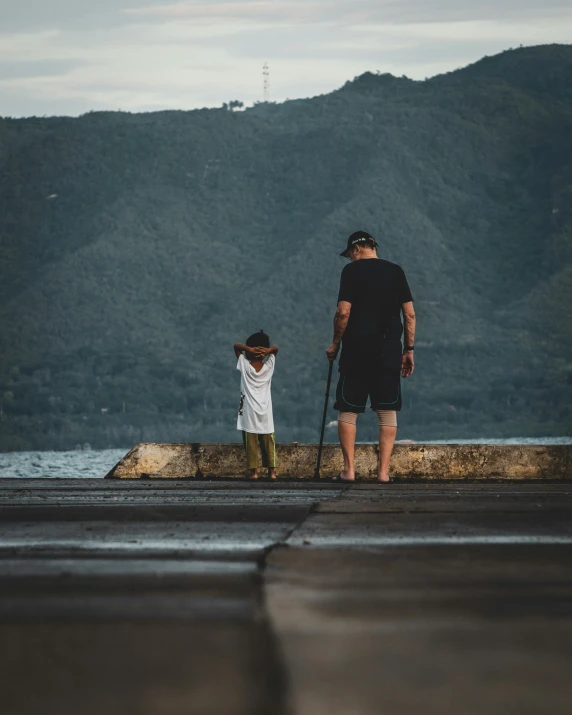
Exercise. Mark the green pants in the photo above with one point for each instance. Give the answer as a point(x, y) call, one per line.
point(267, 448)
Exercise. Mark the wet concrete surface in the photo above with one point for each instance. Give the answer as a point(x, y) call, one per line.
point(141, 598)
point(427, 599)
point(302, 598)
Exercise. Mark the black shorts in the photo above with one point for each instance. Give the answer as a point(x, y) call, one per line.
point(383, 387)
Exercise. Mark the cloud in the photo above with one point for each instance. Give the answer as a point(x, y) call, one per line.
point(33, 15)
point(18, 69)
point(410, 44)
point(68, 56)
point(353, 12)
point(20, 103)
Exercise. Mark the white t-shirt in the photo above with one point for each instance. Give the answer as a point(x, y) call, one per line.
point(255, 411)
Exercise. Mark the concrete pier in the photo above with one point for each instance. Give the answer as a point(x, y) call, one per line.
point(230, 597)
point(298, 461)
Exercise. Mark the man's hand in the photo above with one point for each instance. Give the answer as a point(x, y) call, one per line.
point(332, 351)
point(407, 363)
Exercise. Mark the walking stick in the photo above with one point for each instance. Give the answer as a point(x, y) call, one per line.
point(317, 472)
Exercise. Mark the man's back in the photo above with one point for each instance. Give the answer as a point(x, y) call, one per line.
point(376, 290)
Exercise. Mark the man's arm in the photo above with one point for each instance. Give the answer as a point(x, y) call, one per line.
point(407, 361)
point(340, 324)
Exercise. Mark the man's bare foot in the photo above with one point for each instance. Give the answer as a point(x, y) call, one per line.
point(254, 474)
point(383, 478)
point(344, 476)
point(272, 474)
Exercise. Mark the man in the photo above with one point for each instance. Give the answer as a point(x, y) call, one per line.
point(373, 294)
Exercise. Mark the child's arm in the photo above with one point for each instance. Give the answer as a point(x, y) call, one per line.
point(263, 352)
point(240, 348)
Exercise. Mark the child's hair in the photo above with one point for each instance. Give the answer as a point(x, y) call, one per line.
point(258, 340)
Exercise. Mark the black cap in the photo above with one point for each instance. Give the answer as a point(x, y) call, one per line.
point(359, 237)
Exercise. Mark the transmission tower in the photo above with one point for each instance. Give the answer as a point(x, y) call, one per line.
point(266, 81)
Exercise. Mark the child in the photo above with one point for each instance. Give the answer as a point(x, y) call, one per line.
point(255, 411)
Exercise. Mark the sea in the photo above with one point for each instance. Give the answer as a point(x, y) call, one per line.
point(96, 463)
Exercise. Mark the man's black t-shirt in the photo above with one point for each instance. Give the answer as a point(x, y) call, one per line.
point(376, 290)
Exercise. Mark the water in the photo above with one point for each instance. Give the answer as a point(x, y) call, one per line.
point(97, 463)
point(65, 465)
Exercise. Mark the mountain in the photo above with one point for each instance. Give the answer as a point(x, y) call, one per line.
point(136, 248)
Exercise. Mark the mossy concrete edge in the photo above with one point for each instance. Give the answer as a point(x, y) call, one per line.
point(149, 460)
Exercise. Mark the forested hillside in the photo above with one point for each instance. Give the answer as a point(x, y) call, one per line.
point(136, 248)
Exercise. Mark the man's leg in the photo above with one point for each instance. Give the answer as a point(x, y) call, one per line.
point(347, 428)
point(387, 434)
point(386, 401)
point(351, 398)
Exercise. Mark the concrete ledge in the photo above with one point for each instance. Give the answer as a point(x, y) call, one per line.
point(443, 461)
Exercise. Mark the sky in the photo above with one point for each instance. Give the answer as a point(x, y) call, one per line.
point(67, 57)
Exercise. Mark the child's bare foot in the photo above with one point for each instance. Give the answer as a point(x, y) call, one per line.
point(272, 473)
point(383, 478)
point(253, 474)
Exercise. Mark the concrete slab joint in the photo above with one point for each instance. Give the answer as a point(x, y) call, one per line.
point(443, 461)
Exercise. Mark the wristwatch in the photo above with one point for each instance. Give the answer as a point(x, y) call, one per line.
point(407, 348)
